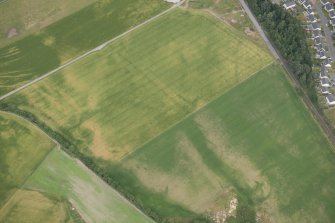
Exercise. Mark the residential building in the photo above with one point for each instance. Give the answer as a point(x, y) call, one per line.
point(289, 5)
point(325, 82)
point(324, 2)
point(330, 99)
point(329, 7)
point(311, 18)
point(324, 90)
point(332, 14)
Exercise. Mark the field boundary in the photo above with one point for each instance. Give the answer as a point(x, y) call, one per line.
point(193, 112)
point(56, 146)
point(96, 49)
point(78, 161)
point(319, 118)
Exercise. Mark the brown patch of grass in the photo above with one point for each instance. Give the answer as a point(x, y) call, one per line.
point(217, 141)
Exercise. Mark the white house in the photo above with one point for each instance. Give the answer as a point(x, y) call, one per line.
point(325, 82)
point(289, 5)
point(329, 7)
point(330, 99)
point(301, 1)
point(324, 90)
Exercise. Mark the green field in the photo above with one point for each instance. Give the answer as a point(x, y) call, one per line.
point(84, 30)
point(186, 116)
point(31, 206)
point(28, 16)
point(258, 143)
point(20, 154)
point(63, 177)
point(111, 102)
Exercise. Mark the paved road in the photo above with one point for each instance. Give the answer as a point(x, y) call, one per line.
point(328, 35)
point(100, 47)
point(259, 29)
point(318, 117)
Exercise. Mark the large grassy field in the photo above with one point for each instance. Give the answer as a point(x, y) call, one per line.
point(28, 16)
point(111, 102)
point(63, 177)
point(20, 154)
point(41, 52)
point(257, 143)
point(27, 206)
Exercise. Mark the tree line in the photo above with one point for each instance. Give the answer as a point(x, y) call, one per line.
point(288, 35)
point(110, 177)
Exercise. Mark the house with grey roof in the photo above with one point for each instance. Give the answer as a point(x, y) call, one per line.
point(328, 63)
point(332, 14)
point(307, 5)
point(330, 99)
point(309, 11)
point(323, 73)
point(328, 7)
point(317, 41)
point(324, 2)
point(324, 90)
point(325, 82)
point(316, 33)
point(311, 18)
point(315, 26)
point(322, 55)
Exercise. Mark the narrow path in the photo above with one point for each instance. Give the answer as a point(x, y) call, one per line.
point(315, 113)
point(98, 48)
point(328, 34)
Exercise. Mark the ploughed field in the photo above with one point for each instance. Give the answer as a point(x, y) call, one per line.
point(187, 117)
point(52, 46)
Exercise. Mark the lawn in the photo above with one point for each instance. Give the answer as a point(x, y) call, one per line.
point(28, 16)
point(257, 143)
point(20, 153)
point(112, 102)
point(36, 54)
point(65, 178)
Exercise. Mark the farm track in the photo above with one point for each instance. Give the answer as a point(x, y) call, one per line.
point(324, 124)
point(96, 49)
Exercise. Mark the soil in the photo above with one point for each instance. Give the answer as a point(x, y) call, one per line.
point(12, 32)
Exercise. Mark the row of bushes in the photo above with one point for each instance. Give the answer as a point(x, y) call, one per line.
point(91, 163)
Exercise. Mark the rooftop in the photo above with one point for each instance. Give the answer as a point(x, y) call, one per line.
point(330, 98)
